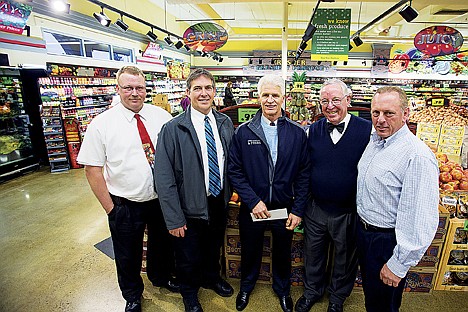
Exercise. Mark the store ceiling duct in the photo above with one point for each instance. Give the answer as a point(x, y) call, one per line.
point(121, 24)
point(408, 13)
point(151, 36)
point(60, 6)
point(102, 18)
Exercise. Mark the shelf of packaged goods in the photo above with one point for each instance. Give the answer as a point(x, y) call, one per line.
point(52, 132)
point(84, 106)
point(57, 154)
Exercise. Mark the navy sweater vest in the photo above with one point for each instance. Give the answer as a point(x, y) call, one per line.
point(334, 166)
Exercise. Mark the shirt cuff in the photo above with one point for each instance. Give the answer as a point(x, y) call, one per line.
point(397, 268)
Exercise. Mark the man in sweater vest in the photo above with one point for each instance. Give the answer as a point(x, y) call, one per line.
point(336, 144)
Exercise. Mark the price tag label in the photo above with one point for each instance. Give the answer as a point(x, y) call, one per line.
point(245, 114)
point(437, 102)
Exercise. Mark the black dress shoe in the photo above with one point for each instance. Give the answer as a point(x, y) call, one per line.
point(222, 288)
point(286, 303)
point(335, 307)
point(192, 305)
point(242, 300)
point(133, 306)
point(304, 304)
point(172, 285)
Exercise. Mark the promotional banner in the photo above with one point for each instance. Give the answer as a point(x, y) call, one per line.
point(331, 40)
point(438, 40)
point(13, 16)
point(205, 37)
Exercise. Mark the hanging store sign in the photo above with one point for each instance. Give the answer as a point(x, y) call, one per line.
point(13, 16)
point(331, 40)
point(205, 37)
point(438, 40)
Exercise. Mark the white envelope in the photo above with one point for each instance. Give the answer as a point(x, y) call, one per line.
point(275, 215)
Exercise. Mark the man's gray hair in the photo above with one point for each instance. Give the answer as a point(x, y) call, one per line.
point(275, 80)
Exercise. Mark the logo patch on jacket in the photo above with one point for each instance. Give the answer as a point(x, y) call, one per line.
point(254, 142)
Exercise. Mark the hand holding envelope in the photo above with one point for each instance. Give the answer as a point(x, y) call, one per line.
point(274, 215)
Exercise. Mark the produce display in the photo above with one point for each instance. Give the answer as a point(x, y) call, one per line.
point(452, 176)
point(452, 115)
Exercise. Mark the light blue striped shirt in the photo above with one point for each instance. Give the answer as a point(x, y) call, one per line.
point(271, 135)
point(398, 188)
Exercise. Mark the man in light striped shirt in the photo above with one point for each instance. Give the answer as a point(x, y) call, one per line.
point(397, 200)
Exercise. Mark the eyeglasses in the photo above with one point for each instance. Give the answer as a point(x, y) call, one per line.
point(335, 101)
point(129, 89)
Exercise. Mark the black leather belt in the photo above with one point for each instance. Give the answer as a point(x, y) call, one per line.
point(372, 228)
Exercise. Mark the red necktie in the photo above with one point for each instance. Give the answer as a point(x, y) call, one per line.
point(145, 141)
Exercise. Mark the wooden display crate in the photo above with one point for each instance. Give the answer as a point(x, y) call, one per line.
point(431, 257)
point(297, 275)
point(232, 243)
point(233, 216)
point(233, 269)
point(453, 268)
point(444, 217)
point(417, 280)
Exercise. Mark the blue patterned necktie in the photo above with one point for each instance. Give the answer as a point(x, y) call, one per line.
point(215, 181)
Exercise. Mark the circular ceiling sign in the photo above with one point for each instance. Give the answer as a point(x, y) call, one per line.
point(205, 37)
point(438, 40)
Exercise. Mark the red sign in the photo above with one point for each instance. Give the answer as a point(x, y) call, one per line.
point(438, 40)
point(13, 16)
point(205, 37)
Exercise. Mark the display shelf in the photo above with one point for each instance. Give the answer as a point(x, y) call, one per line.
point(174, 91)
point(54, 136)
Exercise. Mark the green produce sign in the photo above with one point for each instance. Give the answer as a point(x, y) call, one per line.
point(331, 40)
point(245, 114)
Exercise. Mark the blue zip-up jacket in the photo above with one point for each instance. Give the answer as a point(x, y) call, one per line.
point(255, 178)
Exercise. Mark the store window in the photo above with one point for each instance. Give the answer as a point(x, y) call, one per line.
point(62, 44)
point(122, 54)
point(97, 50)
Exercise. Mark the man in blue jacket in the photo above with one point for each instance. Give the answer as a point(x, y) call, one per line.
point(191, 180)
point(336, 144)
point(268, 166)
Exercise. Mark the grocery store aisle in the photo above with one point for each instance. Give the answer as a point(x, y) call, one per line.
point(49, 224)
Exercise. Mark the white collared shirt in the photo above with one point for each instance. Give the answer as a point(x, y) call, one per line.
point(335, 134)
point(112, 141)
point(198, 121)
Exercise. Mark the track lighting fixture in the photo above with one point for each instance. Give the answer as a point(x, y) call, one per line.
point(179, 44)
point(350, 47)
point(60, 6)
point(364, 63)
point(168, 40)
point(335, 63)
point(121, 24)
point(220, 59)
point(102, 18)
point(187, 48)
point(201, 53)
point(408, 13)
point(357, 41)
point(345, 63)
point(319, 62)
point(151, 36)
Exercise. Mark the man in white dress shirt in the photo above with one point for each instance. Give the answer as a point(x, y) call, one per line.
point(118, 166)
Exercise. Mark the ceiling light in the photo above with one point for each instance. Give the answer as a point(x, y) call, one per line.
point(168, 40)
point(220, 59)
point(60, 6)
point(215, 57)
point(357, 41)
point(350, 47)
point(187, 48)
point(335, 63)
point(179, 44)
point(345, 63)
point(408, 13)
point(102, 18)
point(121, 24)
point(151, 36)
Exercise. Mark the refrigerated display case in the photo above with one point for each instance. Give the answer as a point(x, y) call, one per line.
point(16, 147)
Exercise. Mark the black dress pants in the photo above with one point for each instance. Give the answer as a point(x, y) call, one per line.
point(198, 252)
point(127, 222)
point(251, 236)
point(375, 249)
point(320, 228)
